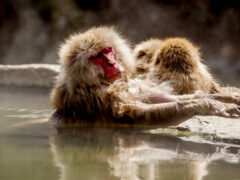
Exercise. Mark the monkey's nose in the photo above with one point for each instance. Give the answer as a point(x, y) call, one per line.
point(109, 60)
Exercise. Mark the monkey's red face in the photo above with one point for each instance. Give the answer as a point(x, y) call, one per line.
point(106, 59)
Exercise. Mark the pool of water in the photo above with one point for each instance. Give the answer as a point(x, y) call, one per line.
point(31, 149)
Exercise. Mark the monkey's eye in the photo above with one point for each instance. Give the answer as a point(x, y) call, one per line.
point(107, 50)
point(96, 56)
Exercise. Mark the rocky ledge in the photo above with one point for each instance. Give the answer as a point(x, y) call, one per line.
point(40, 75)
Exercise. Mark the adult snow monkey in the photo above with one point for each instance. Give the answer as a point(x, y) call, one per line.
point(95, 85)
point(177, 61)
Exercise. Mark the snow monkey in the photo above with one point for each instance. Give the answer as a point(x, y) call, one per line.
point(95, 84)
point(178, 61)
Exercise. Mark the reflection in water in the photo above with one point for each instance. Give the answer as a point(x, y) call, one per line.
point(130, 154)
point(107, 153)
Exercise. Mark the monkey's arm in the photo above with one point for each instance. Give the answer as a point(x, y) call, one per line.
point(174, 113)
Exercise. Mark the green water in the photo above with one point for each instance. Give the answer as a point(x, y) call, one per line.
point(30, 149)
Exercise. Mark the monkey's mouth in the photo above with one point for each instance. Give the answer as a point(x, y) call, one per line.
point(114, 76)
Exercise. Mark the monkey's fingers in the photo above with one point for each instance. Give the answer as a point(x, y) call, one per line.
point(234, 110)
point(214, 107)
point(225, 110)
point(233, 99)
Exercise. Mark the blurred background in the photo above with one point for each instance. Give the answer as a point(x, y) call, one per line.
point(31, 30)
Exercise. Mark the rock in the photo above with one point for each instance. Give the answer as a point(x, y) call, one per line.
point(40, 75)
point(206, 129)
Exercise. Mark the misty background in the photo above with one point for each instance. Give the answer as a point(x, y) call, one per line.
point(31, 30)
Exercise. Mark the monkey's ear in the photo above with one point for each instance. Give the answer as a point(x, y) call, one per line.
point(141, 53)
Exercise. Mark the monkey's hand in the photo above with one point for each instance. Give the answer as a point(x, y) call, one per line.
point(214, 107)
point(226, 98)
point(235, 99)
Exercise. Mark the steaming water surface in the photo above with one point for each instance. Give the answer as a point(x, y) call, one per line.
point(31, 149)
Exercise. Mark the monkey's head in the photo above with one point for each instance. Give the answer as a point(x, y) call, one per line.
point(177, 54)
point(97, 56)
point(144, 51)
